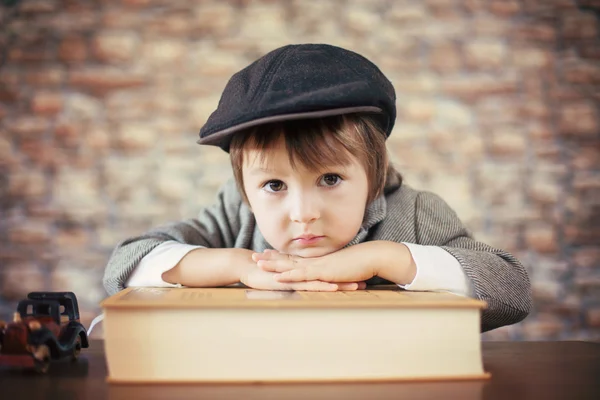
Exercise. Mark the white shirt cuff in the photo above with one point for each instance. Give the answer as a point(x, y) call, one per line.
point(437, 270)
point(148, 273)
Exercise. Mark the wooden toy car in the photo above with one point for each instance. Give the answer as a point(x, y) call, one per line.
point(45, 327)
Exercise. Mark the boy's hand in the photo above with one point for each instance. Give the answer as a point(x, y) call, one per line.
point(391, 261)
point(257, 278)
point(340, 266)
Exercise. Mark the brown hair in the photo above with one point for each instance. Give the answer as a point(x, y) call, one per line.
point(316, 144)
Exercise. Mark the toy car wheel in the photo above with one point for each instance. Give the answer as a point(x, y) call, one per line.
point(41, 359)
point(76, 349)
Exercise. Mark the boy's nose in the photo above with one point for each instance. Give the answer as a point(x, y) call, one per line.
point(304, 210)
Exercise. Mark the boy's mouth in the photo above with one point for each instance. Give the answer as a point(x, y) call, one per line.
point(307, 239)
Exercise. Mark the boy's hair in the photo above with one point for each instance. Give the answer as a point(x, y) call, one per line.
point(316, 144)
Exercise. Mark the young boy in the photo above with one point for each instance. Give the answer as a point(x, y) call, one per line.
point(314, 204)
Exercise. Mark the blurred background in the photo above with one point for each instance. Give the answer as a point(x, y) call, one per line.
point(101, 103)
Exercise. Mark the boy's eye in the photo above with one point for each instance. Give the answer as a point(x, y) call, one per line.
point(274, 186)
point(330, 180)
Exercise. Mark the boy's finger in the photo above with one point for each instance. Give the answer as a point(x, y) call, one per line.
point(316, 286)
point(348, 286)
point(304, 274)
point(277, 265)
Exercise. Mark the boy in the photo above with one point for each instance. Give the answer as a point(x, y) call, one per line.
point(314, 204)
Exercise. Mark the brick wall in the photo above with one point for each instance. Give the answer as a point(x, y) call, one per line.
point(101, 101)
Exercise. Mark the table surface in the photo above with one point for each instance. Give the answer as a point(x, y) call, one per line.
point(520, 370)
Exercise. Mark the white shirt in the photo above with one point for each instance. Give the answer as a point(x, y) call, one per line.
point(437, 270)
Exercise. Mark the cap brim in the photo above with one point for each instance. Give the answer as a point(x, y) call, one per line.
point(218, 138)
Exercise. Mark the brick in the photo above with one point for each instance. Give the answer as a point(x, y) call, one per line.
point(38, 6)
point(74, 238)
point(27, 183)
point(474, 6)
point(586, 158)
point(483, 54)
point(9, 94)
point(484, 26)
point(416, 110)
point(589, 50)
point(586, 180)
point(215, 64)
point(119, 18)
point(33, 53)
point(443, 9)
point(508, 142)
point(82, 108)
point(454, 114)
point(201, 108)
point(578, 119)
point(82, 22)
point(27, 126)
point(545, 187)
point(9, 159)
point(41, 154)
point(20, 278)
point(173, 187)
point(582, 236)
point(102, 80)
point(48, 76)
point(498, 112)
point(475, 87)
point(82, 201)
point(589, 3)
point(216, 18)
point(503, 176)
point(75, 273)
point(546, 289)
point(471, 147)
point(29, 232)
point(581, 72)
point(163, 51)
point(531, 58)
point(586, 257)
point(136, 136)
point(412, 57)
point(453, 29)
point(544, 326)
point(535, 110)
point(505, 8)
point(10, 78)
point(73, 49)
point(445, 57)
point(541, 238)
point(67, 134)
point(420, 83)
point(169, 23)
point(360, 19)
point(115, 46)
point(137, 3)
point(586, 281)
point(569, 307)
point(42, 212)
point(536, 31)
point(592, 317)
point(98, 138)
point(46, 103)
point(410, 13)
point(579, 25)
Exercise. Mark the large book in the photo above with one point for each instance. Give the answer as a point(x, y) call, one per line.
point(178, 335)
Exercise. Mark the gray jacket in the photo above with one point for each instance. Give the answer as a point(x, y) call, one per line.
point(401, 214)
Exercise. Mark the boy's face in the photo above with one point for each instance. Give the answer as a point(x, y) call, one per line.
point(301, 212)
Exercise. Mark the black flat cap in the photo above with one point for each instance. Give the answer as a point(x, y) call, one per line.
point(299, 82)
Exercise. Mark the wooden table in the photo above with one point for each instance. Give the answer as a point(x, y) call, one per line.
point(520, 370)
